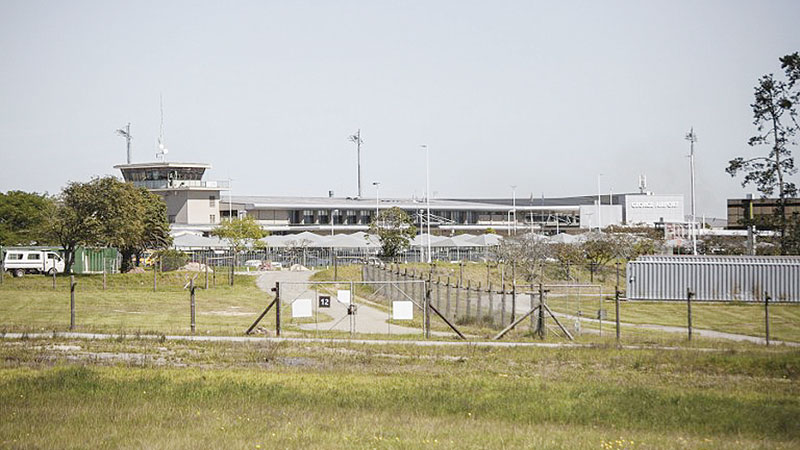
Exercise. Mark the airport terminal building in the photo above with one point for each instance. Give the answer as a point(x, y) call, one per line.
point(196, 205)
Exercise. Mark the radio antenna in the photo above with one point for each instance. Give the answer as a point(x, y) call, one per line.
point(162, 149)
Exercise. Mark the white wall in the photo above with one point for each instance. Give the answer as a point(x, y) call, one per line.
point(649, 209)
point(609, 215)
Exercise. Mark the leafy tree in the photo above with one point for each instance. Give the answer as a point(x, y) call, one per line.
point(395, 229)
point(775, 118)
point(23, 217)
point(72, 221)
point(154, 233)
point(599, 250)
point(241, 233)
point(108, 212)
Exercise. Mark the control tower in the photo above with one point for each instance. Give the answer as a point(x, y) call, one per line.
point(189, 199)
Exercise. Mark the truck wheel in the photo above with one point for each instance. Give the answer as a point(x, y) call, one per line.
point(19, 272)
point(51, 272)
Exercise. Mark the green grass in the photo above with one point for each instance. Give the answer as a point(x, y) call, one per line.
point(355, 396)
point(129, 305)
point(740, 318)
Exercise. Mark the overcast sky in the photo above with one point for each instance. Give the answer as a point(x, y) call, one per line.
point(542, 95)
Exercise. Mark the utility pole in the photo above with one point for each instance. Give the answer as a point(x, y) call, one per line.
point(126, 133)
point(358, 141)
point(692, 138)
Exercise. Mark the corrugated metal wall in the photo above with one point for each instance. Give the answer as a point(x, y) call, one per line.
point(715, 278)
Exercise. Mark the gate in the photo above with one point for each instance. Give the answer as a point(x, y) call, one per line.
point(336, 308)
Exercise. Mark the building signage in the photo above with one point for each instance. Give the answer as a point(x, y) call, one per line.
point(658, 204)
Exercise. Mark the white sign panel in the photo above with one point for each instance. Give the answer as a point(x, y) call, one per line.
point(301, 308)
point(651, 209)
point(403, 310)
point(343, 297)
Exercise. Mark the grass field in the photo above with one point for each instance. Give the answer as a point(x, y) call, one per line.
point(129, 305)
point(146, 394)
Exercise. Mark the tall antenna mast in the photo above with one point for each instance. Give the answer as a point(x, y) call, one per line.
point(126, 133)
point(358, 141)
point(162, 149)
point(692, 138)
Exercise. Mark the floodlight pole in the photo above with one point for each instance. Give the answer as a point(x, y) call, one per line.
point(126, 133)
point(356, 138)
point(428, 195)
point(377, 185)
point(692, 138)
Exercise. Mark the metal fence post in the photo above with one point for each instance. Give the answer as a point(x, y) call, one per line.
point(689, 295)
point(469, 299)
point(766, 316)
point(447, 291)
point(104, 273)
point(233, 265)
point(72, 284)
point(278, 308)
point(616, 301)
point(479, 305)
point(457, 300)
point(192, 304)
point(427, 309)
point(491, 303)
point(540, 324)
point(503, 306)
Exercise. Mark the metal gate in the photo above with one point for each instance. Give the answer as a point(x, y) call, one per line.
point(336, 309)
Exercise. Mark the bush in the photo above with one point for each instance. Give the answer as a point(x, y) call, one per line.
point(171, 259)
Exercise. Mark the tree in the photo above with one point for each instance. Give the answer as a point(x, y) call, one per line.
point(241, 233)
point(71, 220)
point(528, 252)
point(108, 212)
point(567, 255)
point(395, 229)
point(23, 217)
point(775, 118)
point(154, 233)
point(599, 250)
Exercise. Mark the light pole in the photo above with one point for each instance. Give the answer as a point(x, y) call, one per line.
point(356, 138)
point(692, 138)
point(428, 195)
point(377, 185)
